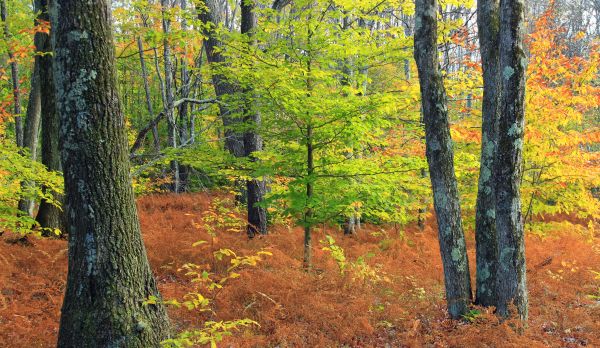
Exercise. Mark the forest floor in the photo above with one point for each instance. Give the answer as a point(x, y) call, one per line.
point(396, 302)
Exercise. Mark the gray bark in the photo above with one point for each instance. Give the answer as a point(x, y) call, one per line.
point(14, 70)
point(49, 216)
point(485, 219)
point(256, 189)
point(511, 278)
point(32, 130)
point(440, 158)
point(234, 139)
point(109, 276)
point(169, 108)
point(147, 93)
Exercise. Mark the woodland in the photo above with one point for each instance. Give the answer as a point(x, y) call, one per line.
point(299, 173)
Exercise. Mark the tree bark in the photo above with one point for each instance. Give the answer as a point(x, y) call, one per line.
point(14, 70)
point(32, 130)
point(257, 216)
point(169, 108)
point(234, 139)
point(511, 276)
point(440, 158)
point(485, 216)
point(109, 276)
point(147, 93)
point(49, 216)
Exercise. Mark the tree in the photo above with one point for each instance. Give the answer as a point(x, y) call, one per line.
point(109, 276)
point(255, 187)
point(440, 158)
point(511, 274)
point(485, 214)
point(14, 70)
point(49, 215)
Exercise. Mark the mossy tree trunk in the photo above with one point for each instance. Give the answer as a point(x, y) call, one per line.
point(511, 276)
point(440, 158)
point(109, 276)
point(485, 219)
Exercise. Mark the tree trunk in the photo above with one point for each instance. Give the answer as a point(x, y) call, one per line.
point(32, 129)
point(485, 219)
point(234, 139)
point(440, 158)
point(511, 278)
point(256, 189)
point(147, 93)
point(49, 216)
point(184, 109)
point(109, 276)
point(14, 70)
point(172, 137)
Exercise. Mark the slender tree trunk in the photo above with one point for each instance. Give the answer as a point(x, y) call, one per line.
point(511, 276)
point(147, 93)
point(166, 23)
point(32, 130)
point(14, 70)
point(184, 108)
point(257, 216)
point(49, 216)
point(308, 215)
point(488, 20)
point(440, 157)
point(109, 276)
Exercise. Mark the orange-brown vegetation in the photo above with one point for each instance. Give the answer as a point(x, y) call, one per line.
point(405, 308)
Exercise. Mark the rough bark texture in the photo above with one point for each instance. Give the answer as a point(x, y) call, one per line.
point(14, 71)
point(485, 220)
point(441, 161)
point(257, 216)
point(49, 216)
point(109, 276)
point(511, 278)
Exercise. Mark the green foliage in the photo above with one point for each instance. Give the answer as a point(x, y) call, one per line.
point(360, 270)
point(16, 167)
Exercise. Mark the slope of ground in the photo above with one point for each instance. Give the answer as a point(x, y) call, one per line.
point(394, 301)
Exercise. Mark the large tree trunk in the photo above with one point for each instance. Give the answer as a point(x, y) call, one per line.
point(257, 216)
point(511, 278)
point(485, 220)
point(184, 109)
point(109, 276)
point(49, 216)
point(440, 157)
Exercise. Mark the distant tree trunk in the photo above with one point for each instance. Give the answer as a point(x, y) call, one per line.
point(32, 129)
point(441, 161)
point(49, 216)
point(256, 189)
point(169, 108)
point(147, 93)
point(488, 20)
point(234, 139)
point(511, 278)
point(109, 276)
point(14, 70)
point(184, 108)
